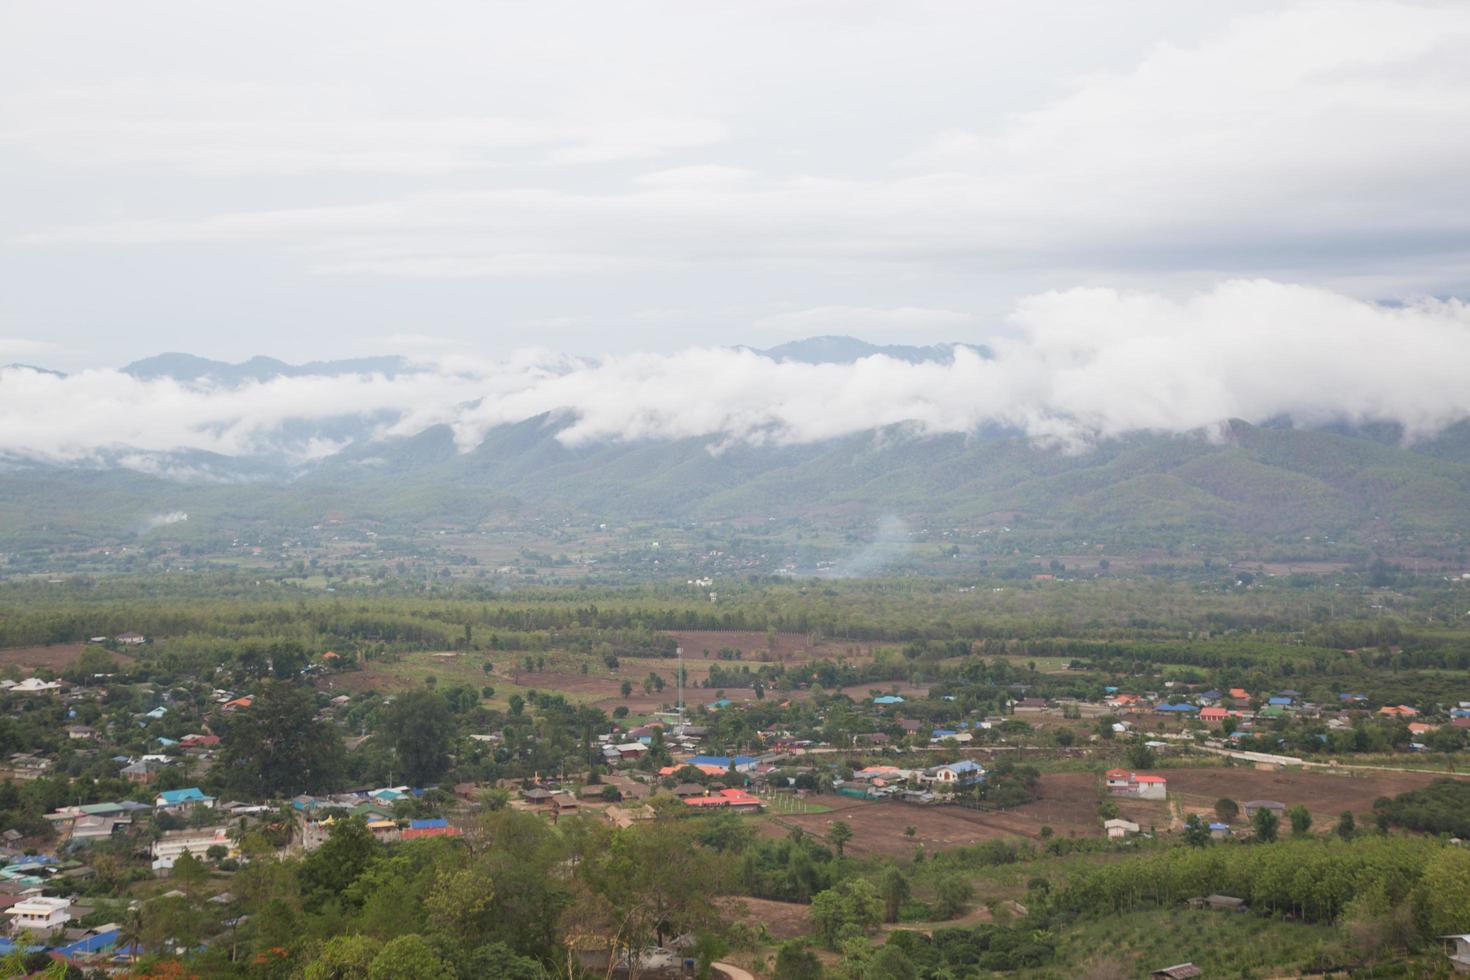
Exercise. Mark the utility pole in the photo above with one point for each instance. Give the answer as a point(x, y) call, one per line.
point(679, 685)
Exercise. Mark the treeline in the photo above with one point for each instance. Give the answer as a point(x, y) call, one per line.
point(1316, 879)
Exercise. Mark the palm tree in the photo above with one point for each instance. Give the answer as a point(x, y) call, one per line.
point(130, 932)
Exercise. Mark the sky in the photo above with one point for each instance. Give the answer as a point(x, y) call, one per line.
point(501, 183)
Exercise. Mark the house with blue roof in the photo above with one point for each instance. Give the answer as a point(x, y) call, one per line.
point(889, 699)
point(966, 772)
point(179, 800)
point(1177, 709)
point(1280, 702)
point(156, 713)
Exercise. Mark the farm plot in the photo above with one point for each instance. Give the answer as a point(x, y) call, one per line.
point(1324, 792)
point(1068, 806)
point(56, 657)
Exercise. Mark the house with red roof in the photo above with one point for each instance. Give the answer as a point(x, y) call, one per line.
point(1121, 782)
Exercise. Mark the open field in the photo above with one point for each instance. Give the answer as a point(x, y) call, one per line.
point(599, 686)
point(783, 920)
point(1069, 807)
point(57, 657)
point(1322, 791)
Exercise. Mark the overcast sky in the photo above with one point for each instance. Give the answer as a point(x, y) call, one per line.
point(330, 179)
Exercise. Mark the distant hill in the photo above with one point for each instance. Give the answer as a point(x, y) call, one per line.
point(1260, 487)
point(189, 367)
point(845, 350)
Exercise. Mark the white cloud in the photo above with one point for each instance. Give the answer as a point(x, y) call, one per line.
point(901, 323)
point(1295, 136)
point(1084, 364)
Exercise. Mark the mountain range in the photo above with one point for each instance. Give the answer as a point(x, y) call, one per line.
point(1249, 487)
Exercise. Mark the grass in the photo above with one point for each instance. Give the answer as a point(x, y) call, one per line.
point(784, 803)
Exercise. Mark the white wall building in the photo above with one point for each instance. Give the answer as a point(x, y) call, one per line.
point(39, 915)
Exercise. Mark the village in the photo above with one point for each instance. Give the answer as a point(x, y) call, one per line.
point(894, 771)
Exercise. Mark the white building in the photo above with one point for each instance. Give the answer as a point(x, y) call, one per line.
point(174, 843)
point(39, 915)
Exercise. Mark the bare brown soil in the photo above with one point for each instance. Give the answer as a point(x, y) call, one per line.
point(784, 920)
point(1322, 791)
point(56, 657)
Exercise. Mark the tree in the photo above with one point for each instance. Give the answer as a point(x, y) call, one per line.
point(952, 895)
point(189, 873)
point(1140, 756)
point(1346, 825)
point(419, 726)
point(1226, 809)
point(626, 689)
point(459, 902)
point(1444, 892)
point(1196, 833)
point(894, 888)
point(277, 748)
point(796, 961)
point(408, 958)
point(838, 835)
point(343, 856)
point(1301, 820)
point(1265, 823)
point(343, 958)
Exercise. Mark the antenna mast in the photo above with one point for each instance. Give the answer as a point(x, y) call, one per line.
point(679, 684)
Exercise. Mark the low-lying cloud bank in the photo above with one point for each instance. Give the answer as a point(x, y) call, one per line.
point(1081, 365)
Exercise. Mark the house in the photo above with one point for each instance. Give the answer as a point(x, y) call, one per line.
point(563, 804)
point(1398, 711)
point(966, 772)
point(34, 685)
point(1182, 971)
point(741, 763)
point(175, 843)
point(685, 790)
point(1458, 950)
point(39, 915)
point(631, 750)
point(80, 733)
point(132, 639)
point(239, 704)
point(141, 771)
point(1281, 702)
point(179, 800)
point(1213, 716)
point(198, 741)
point(87, 829)
point(1118, 827)
point(737, 800)
point(1219, 831)
point(1121, 782)
point(437, 827)
point(1251, 806)
point(888, 699)
point(536, 796)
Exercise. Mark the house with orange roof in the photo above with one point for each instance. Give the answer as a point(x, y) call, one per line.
point(1398, 711)
point(737, 800)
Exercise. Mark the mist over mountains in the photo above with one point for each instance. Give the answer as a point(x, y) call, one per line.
point(1253, 409)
